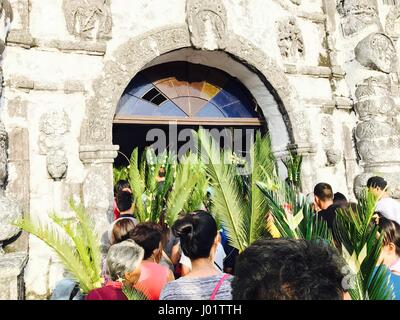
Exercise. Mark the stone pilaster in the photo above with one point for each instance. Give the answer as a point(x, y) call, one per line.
point(98, 184)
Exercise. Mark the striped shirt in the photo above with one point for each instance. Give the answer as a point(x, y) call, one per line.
point(186, 288)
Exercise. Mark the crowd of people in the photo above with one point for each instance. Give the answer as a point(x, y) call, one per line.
point(193, 259)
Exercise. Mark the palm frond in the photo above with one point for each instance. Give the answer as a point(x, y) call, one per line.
point(227, 204)
point(181, 190)
point(87, 231)
point(62, 244)
point(137, 185)
point(362, 247)
point(133, 294)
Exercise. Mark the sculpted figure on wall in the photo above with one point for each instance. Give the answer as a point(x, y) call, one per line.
point(357, 14)
point(392, 26)
point(88, 19)
point(207, 21)
point(54, 126)
point(377, 52)
point(290, 40)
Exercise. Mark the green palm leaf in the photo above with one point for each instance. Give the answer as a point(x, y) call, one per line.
point(60, 240)
point(227, 201)
point(360, 240)
point(137, 185)
point(132, 293)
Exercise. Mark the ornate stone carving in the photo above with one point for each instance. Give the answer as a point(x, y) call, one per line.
point(377, 135)
point(88, 19)
point(392, 25)
point(54, 126)
point(57, 164)
point(6, 17)
point(333, 156)
point(207, 21)
point(357, 14)
point(290, 40)
point(9, 212)
point(377, 52)
point(296, 2)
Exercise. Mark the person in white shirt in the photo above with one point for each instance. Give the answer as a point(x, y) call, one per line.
point(387, 206)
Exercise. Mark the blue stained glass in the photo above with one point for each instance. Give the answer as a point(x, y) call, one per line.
point(126, 104)
point(210, 111)
point(170, 109)
point(223, 98)
point(139, 86)
point(130, 105)
point(237, 110)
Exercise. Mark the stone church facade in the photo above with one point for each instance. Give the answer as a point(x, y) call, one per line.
point(324, 72)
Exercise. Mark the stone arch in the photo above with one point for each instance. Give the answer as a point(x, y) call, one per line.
point(96, 150)
point(136, 53)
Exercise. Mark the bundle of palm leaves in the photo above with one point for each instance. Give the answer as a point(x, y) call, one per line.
point(183, 189)
point(75, 241)
point(361, 246)
point(236, 200)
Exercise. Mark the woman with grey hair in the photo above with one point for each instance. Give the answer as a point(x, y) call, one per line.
point(123, 267)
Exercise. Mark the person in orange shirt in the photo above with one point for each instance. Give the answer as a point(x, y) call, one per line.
point(153, 276)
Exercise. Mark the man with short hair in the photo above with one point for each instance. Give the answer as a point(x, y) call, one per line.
point(289, 269)
point(125, 207)
point(323, 203)
point(387, 206)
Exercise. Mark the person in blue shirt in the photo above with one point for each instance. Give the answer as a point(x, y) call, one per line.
point(390, 253)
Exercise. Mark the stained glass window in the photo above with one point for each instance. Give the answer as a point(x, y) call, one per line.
point(186, 90)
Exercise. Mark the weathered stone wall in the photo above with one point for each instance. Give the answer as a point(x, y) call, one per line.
point(67, 62)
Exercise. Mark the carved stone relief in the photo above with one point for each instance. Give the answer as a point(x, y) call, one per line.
point(378, 133)
point(207, 21)
point(357, 14)
point(377, 52)
point(333, 156)
point(54, 126)
point(88, 19)
point(6, 17)
point(392, 26)
point(290, 40)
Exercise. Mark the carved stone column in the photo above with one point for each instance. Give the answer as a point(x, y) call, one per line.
point(377, 134)
point(11, 264)
point(98, 184)
point(372, 62)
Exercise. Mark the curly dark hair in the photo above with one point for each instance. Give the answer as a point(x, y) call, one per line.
point(288, 269)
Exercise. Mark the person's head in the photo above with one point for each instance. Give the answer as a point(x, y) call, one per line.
point(121, 230)
point(121, 185)
point(323, 195)
point(124, 201)
point(377, 185)
point(340, 199)
point(390, 252)
point(198, 234)
point(288, 269)
point(148, 235)
point(123, 261)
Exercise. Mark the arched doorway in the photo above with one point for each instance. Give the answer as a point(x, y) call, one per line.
point(179, 95)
